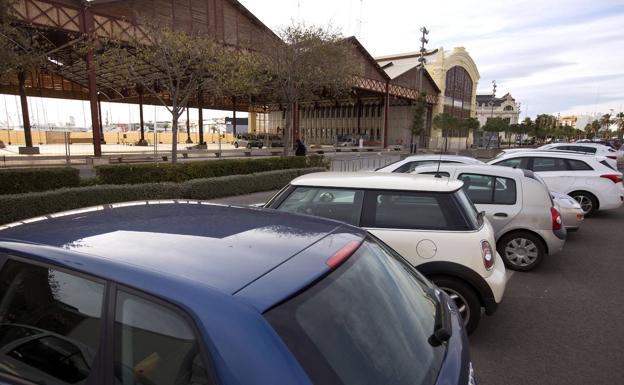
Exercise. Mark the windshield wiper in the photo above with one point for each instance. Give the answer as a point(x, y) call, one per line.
point(442, 328)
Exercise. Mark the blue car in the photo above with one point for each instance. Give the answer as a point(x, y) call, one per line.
point(182, 292)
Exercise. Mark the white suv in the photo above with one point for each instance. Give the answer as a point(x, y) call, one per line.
point(589, 179)
point(527, 225)
point(595, 149)
point(429, 221)
point(411, 162)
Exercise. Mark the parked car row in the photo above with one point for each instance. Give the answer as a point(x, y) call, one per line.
point(342, 278)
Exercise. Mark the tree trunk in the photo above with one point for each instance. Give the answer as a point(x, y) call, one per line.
point(287, 129)
point(174, 139)
point(25, 117)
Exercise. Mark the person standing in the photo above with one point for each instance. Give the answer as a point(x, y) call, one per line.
point(300, 148)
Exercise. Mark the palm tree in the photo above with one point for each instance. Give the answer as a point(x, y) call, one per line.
point(620, 124)
point(605, 122)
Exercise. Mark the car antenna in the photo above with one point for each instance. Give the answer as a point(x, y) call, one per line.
point(437, 174)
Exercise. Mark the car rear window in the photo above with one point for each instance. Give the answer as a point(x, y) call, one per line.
point(368, 322)
point(412, 210)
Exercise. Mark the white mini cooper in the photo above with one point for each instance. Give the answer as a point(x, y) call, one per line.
point(429, 221)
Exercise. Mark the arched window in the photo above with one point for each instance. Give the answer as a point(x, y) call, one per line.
point(458, 92)
point(508, 108)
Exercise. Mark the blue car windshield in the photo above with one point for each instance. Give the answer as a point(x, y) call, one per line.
point(368, 322)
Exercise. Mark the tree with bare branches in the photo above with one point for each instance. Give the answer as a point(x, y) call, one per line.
point(307, 63)
point(21, 51)
point(173, 66)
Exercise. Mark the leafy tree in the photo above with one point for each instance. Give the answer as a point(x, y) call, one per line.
point(21, 51)
point(173, 66)
point(605, 122)
point(469, 125)
point(620, 124)
point(419, 115)
point(497, 125)
point(445, 122)
point(307, 63)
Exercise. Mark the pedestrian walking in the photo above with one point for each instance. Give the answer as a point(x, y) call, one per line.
point(300, 149)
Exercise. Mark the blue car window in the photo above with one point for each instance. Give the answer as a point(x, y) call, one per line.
point(366, 323)
point(154, 345)
point(50, 323)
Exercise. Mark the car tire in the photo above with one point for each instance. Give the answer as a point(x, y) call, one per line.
point(521, 250)
point(235, 144)
point(588, 202)
point(465, 299)
point(260, 147)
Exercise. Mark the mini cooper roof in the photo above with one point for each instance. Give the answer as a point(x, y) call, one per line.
point(378, 181)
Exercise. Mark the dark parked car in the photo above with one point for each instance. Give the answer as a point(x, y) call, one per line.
point(191, 293)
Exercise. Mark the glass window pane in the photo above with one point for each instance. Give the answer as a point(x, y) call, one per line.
point(505, 191)
point(478, 187)
point(154, 345)
point(548, 164)
point(366, 323)
point(514, 163)
point(49, 323)
point(399, 210)
point(340, 204)
point(578, 165)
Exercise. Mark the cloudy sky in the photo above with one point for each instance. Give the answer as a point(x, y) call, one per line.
point(553, 56)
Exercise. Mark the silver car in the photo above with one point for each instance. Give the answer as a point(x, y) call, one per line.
point(571, 211)
point(527, 224)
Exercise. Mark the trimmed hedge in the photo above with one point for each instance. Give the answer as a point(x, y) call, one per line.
point(184, 171)
point(22, 206)
point(18, 181)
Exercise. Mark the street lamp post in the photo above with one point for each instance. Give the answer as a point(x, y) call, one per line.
point(421, 67)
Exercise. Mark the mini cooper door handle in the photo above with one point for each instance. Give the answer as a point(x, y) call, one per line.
point(501, 215)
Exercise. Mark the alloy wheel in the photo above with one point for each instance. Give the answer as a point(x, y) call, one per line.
point(460, 302)
point(521, 252)
point(586, 203)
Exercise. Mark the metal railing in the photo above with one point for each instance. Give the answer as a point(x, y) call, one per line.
point(362, 163)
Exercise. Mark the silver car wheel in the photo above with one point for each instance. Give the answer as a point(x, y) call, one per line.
point(586, 203)
point(460, 302)
point(521, 252)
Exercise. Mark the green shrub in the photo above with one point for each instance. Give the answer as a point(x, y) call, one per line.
point(180, 172)
point(23, 206)
point(18, 181)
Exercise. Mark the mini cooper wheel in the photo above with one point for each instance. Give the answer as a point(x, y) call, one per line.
point(235, 144)
point(464, 298)
point(588, 202)
point(521, 251)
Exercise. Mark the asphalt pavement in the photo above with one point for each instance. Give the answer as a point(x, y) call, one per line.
point(562, 323)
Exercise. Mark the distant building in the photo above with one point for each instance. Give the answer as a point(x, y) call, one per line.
point(242, 125)
point(493, 107)
point(455, 75)
point(569, 121)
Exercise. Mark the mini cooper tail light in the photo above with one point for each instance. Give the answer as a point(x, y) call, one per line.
point(611, 156)
point(487, 254)
point(343, 254)
point(612, 177)
point(557, 222)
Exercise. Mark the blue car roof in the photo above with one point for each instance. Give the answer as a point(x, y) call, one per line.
point(223, 247)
